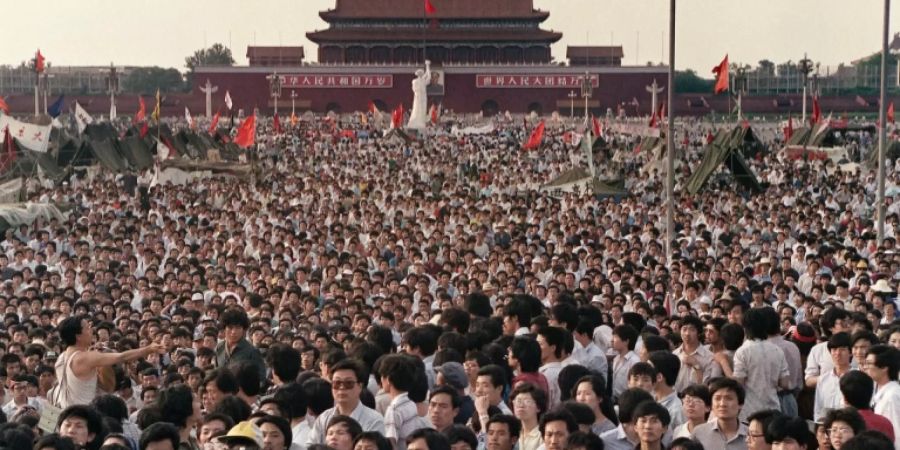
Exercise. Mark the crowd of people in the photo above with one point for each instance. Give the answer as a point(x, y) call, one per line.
point(373, 293)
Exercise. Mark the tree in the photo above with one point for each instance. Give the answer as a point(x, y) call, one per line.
point(146, 80)
point(216, 55)
point(766, 67)
point(688, 82)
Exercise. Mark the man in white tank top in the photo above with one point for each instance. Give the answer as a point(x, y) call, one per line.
point(76, 368)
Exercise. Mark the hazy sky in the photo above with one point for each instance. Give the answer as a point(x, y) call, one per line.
point(163, 32)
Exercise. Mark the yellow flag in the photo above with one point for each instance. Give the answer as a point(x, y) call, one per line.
point(155, 114)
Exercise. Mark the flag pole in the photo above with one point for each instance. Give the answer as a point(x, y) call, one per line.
point(670, 141)
point(882, 120)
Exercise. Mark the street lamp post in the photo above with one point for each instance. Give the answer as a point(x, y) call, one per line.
point(587, 90)
point(275, 88)
point(46, 87)
point(293, 98)
point(572, 97)
point(805, 67)
point(112, 86)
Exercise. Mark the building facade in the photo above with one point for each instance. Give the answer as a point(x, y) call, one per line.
point(458, 32)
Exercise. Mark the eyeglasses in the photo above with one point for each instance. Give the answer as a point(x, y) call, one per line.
point(519, 401)
point(344, 384)
point(840, 430)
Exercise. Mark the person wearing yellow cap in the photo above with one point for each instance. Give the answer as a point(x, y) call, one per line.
point(243, 436)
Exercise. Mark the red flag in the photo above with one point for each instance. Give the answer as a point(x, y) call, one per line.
point(9, 151)
point(429, 8)
point(710, 137)
point(276, 124)
point(246, 133)
point(3, 106)
point(816, 112)
point(214, 124)
point(652, 123)
point(637, 149)
point(397, 117)
point(721, 72)
point(537, 136)
point(372, 108)
point(598, 130)
point(142, 111)
point(890, 113)
point(39, 62)
point(145, 129)
point(789, 130)
point(434, 114)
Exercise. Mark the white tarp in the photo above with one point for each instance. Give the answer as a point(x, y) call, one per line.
point(17, 214)
point(33, 137)
point(486, 129)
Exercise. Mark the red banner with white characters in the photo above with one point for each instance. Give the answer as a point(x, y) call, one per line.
point(324, 81)
point(533, 81)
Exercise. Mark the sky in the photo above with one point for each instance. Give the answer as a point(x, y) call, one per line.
point(164, 32)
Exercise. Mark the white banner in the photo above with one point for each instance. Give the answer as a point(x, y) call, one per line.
point(635, 129)
point(33, 137)
point(82, 117)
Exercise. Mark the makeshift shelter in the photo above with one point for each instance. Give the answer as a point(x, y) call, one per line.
point(106, 151)
point(725, 149)
point(16, 214)
point(136, 152)
point(580, 179)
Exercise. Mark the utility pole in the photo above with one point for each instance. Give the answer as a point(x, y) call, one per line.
point(275, 88)
point(882, 117)
point(670, 142)
point(805, 66)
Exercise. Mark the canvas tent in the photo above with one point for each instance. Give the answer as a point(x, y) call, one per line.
point(15, 214)
point(725, 149)
point(136, 152)
point(580, 179)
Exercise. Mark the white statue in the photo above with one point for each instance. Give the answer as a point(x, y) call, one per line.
point(418, 116)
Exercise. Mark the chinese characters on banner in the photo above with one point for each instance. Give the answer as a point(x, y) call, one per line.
point(533, 81)
point(337, 81)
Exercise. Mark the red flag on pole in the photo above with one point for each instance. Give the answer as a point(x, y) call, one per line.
point(397, 117)
point(789, 130)
point(710, 137)
point(429, 8)
point(214, 124)
point(142, 111)
point(3, 106)
point(537, 136)
point(276, 124)
point(246, 133)
point(598, 130)
point(890, 113)
point(39, 62)
point(434, 114)
point(816, 112)
point(145, 128)
point(721, 72)
point(9, 151)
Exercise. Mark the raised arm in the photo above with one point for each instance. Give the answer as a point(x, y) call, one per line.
point(90, 360)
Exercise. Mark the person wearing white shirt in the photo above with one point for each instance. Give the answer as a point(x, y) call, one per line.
point(828, 388)
point(883, 365)
point(835, 320)
point(552, 341)
point(346, 385)
point(623, 340)
point(586, 352)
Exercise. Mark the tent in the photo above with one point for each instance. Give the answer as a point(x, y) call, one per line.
point(580, 179)
point(726, 148)
point(136, 152)
point(30, 164)
point(106, 151)
point(15, 214)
